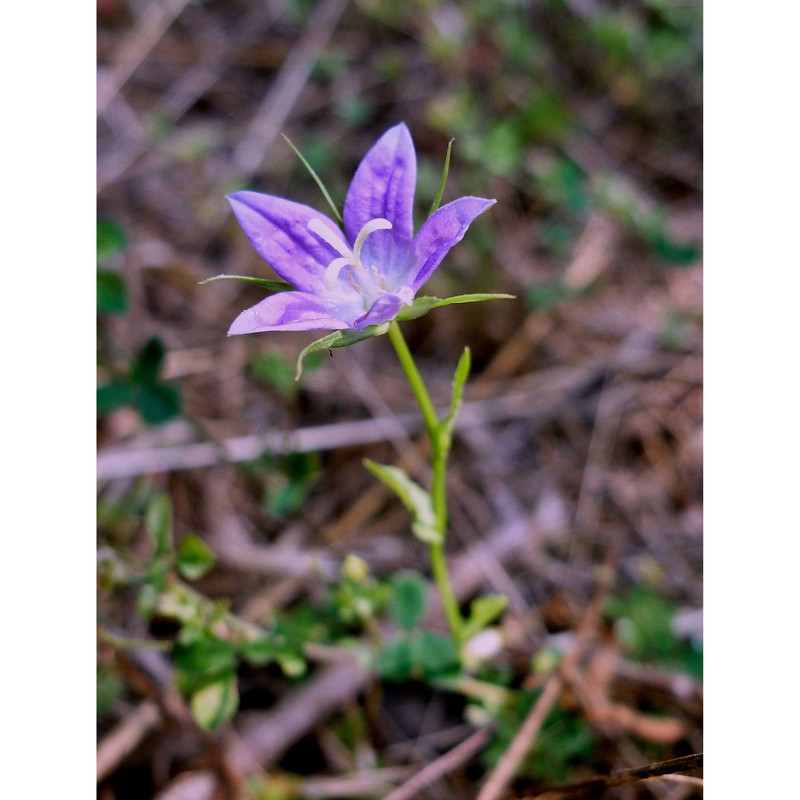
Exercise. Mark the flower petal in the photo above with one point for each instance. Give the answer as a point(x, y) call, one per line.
point(287, 311)
point(278, 229)
point(441, 231)
point(385, 308)
point(384, 185)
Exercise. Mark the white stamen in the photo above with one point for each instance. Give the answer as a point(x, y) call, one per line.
point(325, 233)
point(350, 258)
point(333, 269)
point(378, 224)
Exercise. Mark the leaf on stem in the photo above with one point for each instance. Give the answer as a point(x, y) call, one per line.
point(482, 612)
point(459, 381)
point(419, 502)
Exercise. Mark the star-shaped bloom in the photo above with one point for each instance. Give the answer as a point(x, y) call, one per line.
point(365, 274)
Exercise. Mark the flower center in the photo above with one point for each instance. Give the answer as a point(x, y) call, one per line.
point(365, 280)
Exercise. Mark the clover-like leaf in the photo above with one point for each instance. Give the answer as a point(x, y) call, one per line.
point(409, 598)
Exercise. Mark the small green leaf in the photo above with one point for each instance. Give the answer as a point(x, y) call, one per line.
point(409, 598)
point(205, 655)
point(113, 395)
point(316, 178)
point(147, 599)
point(110, 687)
point(483, 611)
point(264, 283)
point(258, 652)
point(423, 305)
point(148, 362)
point(395, 660)
point(159, 403)
point(336, 339)
point(112, 293)
point(195, 558)
point(434, 653)
point(423, 518)
point(111, 239)
point(158, 521)
point(438, 199)
point(216, 702)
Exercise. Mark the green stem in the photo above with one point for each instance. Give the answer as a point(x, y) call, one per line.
point(439, 453)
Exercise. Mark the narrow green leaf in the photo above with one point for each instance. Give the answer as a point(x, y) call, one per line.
point(195, 558)
point(438, 199)
point(264, 283)
point(409, 598)
point(422, 305)
point(216, 702)
point(483, 611)
point(459, 381)
point(419, 502)
point(336, 339)
point(316, 178)
point(158, 521)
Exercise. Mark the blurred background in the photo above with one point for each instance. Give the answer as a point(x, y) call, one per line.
point(578, 460)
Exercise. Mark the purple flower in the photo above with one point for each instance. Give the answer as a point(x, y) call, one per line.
point(360, 276)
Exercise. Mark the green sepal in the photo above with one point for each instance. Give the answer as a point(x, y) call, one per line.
point(317, 179)
point(438, 199)
point(336, 339)
point(419, 502)
point(483, 611)
point(422, 305)
point(264, 283)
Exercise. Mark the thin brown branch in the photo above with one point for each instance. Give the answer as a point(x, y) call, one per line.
point(126, 737)
point(589, 788)
point(502, 775)
point(443, 765)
